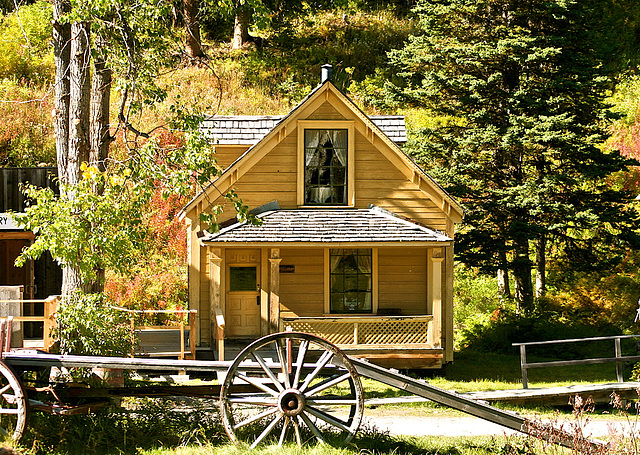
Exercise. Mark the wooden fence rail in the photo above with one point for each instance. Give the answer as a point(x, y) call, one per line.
point(618, 358)
point(160, 328)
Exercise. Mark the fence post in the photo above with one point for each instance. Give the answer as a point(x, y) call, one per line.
point(618, 349)
point(192, 334)
point(523, 366)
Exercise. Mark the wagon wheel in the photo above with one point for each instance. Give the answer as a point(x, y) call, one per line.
point(13, 404)
point(304, 388)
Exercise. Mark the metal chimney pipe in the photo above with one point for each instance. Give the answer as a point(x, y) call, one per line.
point(326, 73)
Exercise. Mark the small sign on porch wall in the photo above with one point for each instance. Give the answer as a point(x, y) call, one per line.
point(287, 268)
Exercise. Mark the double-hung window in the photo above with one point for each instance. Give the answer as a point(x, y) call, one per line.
point(325, 166)
point(351, 280)
point(326, 162)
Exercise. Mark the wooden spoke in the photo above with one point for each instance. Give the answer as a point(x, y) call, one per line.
point(313, 428)
point(268, 371)
point(255, 418)
point(322, 362)
point(344, 426)
point(327, 383)
point(307, 396)
point(283, 364)
point(302, 351)
point(283, 433)
point(296, 427)
point(257, 384)
point(266, 431)
point(253, 400)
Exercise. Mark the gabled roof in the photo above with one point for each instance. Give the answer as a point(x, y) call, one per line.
point(323, 92)
point(249, 129)
point(327, 225)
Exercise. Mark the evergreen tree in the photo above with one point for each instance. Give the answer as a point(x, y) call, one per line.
point(522, 85)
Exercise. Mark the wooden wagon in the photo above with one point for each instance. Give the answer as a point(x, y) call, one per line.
point(285, 387)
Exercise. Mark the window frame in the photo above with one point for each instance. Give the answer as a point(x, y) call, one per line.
point(374, 281)
point(348, 125)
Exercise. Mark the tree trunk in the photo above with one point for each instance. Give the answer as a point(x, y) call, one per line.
point(79, 102)
point(62, 56)
point(78, 147)
point(192, 29)
point(541, 265)
point(522, 275)
point(504, 289)
point(99, 136)
point(241, 28)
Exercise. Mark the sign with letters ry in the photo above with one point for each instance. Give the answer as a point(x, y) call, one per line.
point(7, 222)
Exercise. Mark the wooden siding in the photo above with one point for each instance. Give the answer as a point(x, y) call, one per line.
point(402, 280)
point(227, 154)
point(380, 183)
point(326, 111)
point(301, 292)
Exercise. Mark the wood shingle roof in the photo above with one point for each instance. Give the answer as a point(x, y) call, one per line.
point(249, 129)
point(328, 225)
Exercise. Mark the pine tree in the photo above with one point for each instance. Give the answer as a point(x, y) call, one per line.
point(522, 86)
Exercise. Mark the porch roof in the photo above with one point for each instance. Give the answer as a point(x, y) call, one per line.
point(327, 225)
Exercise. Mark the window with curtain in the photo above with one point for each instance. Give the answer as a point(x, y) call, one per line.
point(325, 170)
point(350, 280)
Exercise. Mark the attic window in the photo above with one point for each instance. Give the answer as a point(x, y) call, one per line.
point(325, 170)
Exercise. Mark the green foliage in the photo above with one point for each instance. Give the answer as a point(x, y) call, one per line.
point(25, 54)
point(143, 424)
point(86, 325)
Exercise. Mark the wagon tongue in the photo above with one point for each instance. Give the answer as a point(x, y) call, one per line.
point(480, 409)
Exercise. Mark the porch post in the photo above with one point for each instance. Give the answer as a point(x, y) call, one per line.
point(274, 289)
point(435, 281)
point(215, 283)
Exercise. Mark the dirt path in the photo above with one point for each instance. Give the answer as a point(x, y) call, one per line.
point(412, 425)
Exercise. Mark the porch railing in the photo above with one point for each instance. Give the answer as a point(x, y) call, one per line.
point(47, 319)
point(352, 332)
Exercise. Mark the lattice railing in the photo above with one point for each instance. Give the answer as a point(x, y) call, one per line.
point(349, 331)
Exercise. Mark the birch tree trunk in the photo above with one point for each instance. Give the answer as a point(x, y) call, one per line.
point(504, 289)
point(541, 265)
point(241, 28)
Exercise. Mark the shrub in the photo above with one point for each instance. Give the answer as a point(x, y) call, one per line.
point(86, 325)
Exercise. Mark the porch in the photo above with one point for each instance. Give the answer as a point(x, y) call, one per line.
point(407, 342)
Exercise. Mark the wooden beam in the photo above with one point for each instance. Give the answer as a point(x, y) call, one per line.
point(215, 290)
point(274, 289)
point(436, 258)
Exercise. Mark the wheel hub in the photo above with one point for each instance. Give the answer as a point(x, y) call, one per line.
point(291, 402)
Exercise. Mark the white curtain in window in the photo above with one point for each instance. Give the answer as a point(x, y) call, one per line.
point(339, 141)
point(312, 141)
point(364, 264)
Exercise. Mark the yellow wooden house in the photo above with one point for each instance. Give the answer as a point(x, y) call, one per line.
point(356, 240)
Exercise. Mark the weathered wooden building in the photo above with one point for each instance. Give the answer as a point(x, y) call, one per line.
point(40, 278)
point(356, 240)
